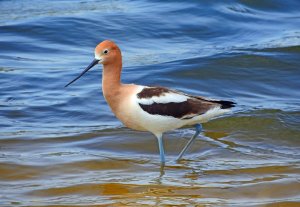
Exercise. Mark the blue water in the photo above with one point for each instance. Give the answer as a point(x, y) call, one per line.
point(63, 146)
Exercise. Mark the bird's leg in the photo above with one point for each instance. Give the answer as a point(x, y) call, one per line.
point(161, 148)
point(198, 128)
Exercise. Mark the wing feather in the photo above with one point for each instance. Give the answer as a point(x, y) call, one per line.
point(166, 102)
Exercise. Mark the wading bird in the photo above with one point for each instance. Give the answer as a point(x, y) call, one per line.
point(153, 109)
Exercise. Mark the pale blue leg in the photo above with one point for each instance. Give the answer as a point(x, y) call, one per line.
point(161, 148)
point(198, 128)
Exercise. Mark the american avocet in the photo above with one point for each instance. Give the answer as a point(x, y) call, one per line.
point(153, 109)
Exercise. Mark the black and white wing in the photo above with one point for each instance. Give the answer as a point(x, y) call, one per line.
point(165, 102)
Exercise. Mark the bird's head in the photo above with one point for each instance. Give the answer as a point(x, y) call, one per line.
point(106, 53)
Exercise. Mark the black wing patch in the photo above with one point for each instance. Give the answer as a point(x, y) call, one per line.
point(193, 106)
point(153, 91)
point(183, 110)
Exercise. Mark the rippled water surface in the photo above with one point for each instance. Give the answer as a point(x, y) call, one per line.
point(63, 146)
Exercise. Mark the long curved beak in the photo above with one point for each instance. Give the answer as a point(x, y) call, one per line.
point(93, 63)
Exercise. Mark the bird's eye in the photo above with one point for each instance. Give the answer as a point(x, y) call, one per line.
point(105, 52)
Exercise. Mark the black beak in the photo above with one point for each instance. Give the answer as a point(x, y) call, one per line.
point(95, 62)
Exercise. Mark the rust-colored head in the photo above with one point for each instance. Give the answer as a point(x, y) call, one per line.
point(106, 53)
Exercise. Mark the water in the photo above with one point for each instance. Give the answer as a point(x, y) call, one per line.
point(63, 146)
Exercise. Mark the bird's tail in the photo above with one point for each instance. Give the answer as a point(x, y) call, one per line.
point(225, 104)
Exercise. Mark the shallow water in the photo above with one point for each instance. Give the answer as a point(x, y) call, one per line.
point(63, 147)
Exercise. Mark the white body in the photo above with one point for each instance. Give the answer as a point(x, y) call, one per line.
point(139, 119)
